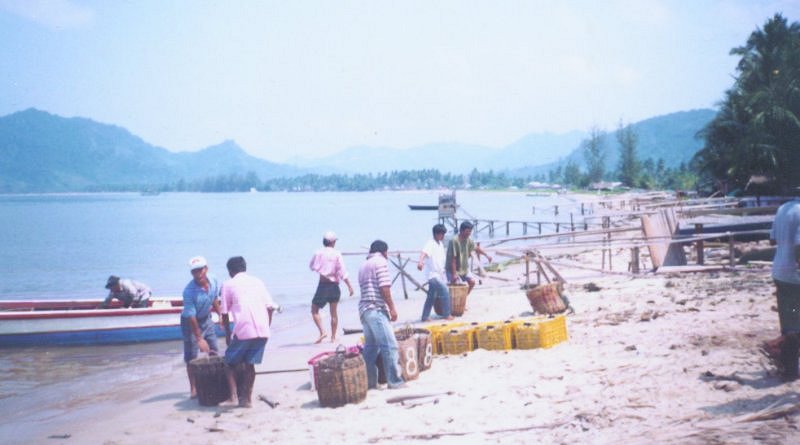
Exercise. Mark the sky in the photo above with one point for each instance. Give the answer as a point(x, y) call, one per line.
point(312, 78)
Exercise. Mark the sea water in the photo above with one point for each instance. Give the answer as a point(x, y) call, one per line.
point(66, 246)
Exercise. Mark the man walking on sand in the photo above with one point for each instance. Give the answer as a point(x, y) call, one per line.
point(786, 235)
point(376, 310)
point(432, 260)
point(247, 299)
point(329, 264)
point(200, 298)
point(459, 251)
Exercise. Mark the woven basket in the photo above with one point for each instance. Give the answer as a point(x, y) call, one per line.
point(341, 379)
point(546, 299)
point(210, 380)
point(458, 300)
point(424, 348)
point(408, 353)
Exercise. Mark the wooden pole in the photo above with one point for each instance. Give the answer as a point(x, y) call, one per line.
point(527, 270)
point(699, 245)
point(403, 275)
point(731, 252)
point(635, 260)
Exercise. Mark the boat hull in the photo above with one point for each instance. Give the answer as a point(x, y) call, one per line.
point(56, 323)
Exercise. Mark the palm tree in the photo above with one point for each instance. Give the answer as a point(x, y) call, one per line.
point(758, 125)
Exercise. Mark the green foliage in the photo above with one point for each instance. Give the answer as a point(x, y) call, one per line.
point(758, 125)
point(629, 168)
point(595, 155)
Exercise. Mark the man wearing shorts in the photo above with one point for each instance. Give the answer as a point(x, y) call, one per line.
point(246, 298)
point(329, 264)
point(200, 297)
point(459, 251)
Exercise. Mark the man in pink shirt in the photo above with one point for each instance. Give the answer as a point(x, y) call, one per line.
point(247, 299)
point(329, 264)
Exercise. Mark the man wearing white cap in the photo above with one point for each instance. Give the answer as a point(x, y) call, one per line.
point(200, 297)
point(329, 264)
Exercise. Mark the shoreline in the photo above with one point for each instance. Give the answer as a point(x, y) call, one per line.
point(664, 358)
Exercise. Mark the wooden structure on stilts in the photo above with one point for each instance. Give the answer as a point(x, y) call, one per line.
point(649, 230)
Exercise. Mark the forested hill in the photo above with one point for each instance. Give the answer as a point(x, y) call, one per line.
point(42, 152)
point(671, 138)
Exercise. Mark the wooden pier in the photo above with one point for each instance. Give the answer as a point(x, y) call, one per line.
point(662, 232)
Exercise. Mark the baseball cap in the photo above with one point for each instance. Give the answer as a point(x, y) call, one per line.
point(197, 262)
point(329, 236)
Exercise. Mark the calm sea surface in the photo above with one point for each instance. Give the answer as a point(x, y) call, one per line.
point(65, 246)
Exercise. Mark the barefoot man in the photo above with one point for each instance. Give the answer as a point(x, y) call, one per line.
point(329, 264)
point(246, 298)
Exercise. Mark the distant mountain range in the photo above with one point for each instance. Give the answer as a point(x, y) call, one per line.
point(42, 152)
point(454, 157)
point(672, 137)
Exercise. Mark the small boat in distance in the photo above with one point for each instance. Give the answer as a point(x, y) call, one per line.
point(83, 322)
point(423, 207)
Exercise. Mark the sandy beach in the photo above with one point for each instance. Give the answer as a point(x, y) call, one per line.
point(652, 358)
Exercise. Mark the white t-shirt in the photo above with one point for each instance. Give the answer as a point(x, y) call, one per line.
point(434, 262)
point(786, 233)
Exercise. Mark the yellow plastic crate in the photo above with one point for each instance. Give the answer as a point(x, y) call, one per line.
point(553, 331)
point(458, 340)
point(508, 333)
point(526, 335)
point(436, 334)
point(491, 336)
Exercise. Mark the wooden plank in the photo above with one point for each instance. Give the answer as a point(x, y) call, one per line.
point(691, 268)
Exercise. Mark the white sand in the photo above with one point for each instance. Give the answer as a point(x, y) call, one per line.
point(651, 359)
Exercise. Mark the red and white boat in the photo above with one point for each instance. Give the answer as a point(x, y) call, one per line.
point(83, 322)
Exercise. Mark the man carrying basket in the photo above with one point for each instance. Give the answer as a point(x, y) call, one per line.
point(459, 251)
point(432, 260)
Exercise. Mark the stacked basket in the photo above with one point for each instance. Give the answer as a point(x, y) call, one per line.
point(341, 379)
point(458, 300)
point(210, 381)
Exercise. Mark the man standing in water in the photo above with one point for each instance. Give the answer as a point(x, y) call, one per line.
point(329, 264)
point(459, 251)
point(247, 299)
point(786, 234)
point(200, 297)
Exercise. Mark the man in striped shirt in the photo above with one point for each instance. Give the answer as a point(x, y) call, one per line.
point(377, 310)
